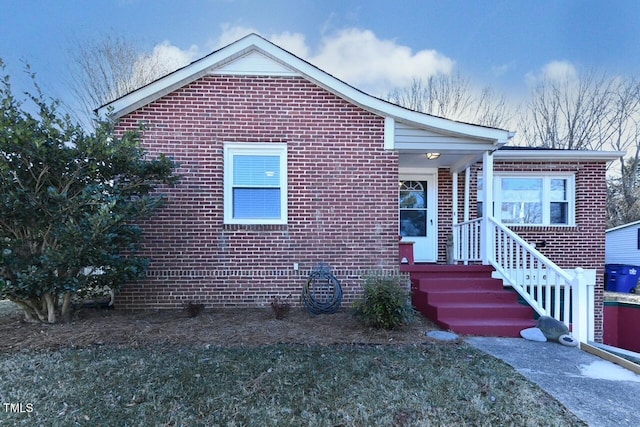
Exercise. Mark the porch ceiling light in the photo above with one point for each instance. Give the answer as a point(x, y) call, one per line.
point(432, 156)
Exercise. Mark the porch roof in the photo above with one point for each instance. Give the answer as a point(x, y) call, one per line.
point(460, 156)
point(533, 154)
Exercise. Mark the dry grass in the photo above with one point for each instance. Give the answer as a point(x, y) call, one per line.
point(274, 385)
point(224, 327)
point(245, 368)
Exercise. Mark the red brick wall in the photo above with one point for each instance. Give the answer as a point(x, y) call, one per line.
point(342, 194)
point(569, 247)
point(445, 211)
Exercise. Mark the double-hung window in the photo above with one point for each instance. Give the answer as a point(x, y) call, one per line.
point(255, 183)
point(533, 199)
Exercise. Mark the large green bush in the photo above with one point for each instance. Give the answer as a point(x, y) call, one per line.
point(385, 304)
point(69, 205)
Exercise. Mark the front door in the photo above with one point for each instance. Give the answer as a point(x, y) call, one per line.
point(418, 215)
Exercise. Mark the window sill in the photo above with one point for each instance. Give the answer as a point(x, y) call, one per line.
point(255, 227)
point(554, 228)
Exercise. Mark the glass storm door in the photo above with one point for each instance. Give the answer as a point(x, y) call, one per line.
point(417, 224)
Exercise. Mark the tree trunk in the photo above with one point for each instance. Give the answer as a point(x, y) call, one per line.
point(31, 311)
point(51, 308)
point(66, 308)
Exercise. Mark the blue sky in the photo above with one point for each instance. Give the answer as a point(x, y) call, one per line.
point(374, 45)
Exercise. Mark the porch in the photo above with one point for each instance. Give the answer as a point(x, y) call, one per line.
point(456, 210)
point(494, 283)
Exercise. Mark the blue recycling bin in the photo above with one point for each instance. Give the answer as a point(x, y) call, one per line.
point(621, 278)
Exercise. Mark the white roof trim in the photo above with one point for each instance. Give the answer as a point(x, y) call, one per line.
point(631, 224)
point(219, 58)
point(389, 133)
point(534, 155)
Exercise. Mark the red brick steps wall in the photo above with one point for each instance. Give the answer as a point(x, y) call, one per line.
point(466, 300)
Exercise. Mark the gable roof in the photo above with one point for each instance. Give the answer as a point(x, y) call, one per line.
point(254, 55)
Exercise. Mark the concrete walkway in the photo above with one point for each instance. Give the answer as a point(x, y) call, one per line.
point(599, 392)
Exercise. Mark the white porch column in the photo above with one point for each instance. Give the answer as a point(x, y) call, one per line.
point(580, 307)
point(467, 193)
point(486, 241)
point(452, 246)
point(455, 197)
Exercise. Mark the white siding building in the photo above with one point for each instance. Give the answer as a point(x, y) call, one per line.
point(622, 245)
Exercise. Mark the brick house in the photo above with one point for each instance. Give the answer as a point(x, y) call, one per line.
point(285, 167)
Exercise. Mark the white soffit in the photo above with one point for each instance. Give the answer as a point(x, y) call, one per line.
point(408, 137)
point(254, 63)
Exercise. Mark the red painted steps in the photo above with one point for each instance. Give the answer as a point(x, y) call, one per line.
point(466, 300)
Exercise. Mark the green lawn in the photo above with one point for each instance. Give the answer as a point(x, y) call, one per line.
point(435, 384)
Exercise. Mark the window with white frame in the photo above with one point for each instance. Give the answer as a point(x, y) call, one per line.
point(532, 199)
point(255, 183)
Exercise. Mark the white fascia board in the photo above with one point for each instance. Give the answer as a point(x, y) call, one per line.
point(631, 224)
point(377, 105)
point(563, 155)
point(178, 78)
point(386, 109)
point(147, 94)
point(389, 133)
point(201, 67)
point(446, 145)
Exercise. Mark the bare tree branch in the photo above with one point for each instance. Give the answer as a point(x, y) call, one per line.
point(569, 113)
point(109, 67)
point(452, 97)
point(591, 111)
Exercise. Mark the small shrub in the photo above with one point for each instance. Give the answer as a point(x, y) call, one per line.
point(280, 307)
point(386, 303)
point(192, 309)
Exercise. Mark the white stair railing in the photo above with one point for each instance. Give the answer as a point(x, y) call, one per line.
point(547, 288)
point(538, 279)
point(466, 241)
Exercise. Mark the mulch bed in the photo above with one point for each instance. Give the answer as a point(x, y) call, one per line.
point(212, 327)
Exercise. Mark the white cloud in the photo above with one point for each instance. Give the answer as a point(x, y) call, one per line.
point(502, 69)
point(230, 34)
point(560, 70)
point(556, 71)
point(172, 57)
point(354, 55)
point(163, 59)
point(293, 42)
point(362, 59)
